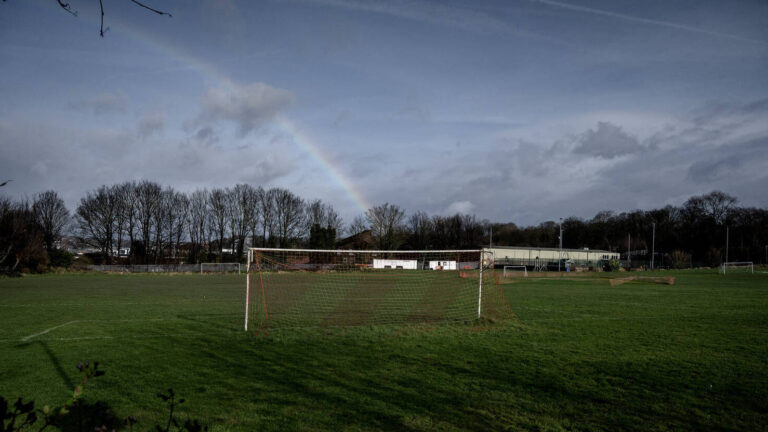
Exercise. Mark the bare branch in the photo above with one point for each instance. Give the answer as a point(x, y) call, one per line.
point(66, 7)
point(153, 10)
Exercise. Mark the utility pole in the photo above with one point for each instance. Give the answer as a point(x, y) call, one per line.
point(653, 244)
point(560, 253)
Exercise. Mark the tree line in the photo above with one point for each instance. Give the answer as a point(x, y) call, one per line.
point(144, 222)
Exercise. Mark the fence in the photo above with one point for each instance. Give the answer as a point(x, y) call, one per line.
point(146, 268)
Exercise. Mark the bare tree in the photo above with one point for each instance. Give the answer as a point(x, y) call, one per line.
point(267, 213)
point(256, 220)
point(178, 218)
point(52, 216)
point(386, 225)
point(358, 225)
point(243, 212)
point(96, 219)
point(148, 197)
point(198, 221)
point(218, 206)
point(127, 208)
point(323, 215)
point(289, 215)
point(420, 226)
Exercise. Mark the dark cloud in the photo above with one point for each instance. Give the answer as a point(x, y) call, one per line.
point(150, 124)
point(73, 161)
point(104, 103)
point(607, 141)
point(250, 106)
point(731, 161)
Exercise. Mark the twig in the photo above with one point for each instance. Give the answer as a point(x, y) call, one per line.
point(152, 9)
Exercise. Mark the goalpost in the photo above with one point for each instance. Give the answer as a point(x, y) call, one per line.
point(290, 288)
point(746, 266)
point(512, 267)
point(213, 267)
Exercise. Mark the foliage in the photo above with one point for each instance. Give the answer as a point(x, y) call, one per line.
point(21, 239)
point(76, 414)
point(60, 258)
point(680, 259)
point(612, 265)
point(322, 238)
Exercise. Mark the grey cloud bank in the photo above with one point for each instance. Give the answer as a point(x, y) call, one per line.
point(523, 111)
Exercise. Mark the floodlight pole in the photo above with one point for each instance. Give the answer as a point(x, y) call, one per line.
point(653, 244)
point(629, 251)
point(560, 253)
point(727, 232)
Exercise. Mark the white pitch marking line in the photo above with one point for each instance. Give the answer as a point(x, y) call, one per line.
point(47, 330)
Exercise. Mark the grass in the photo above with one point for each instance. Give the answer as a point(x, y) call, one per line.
point(586, 356)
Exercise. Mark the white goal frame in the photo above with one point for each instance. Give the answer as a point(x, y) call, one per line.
point(744, 264)
point(481, 263)
point(202, 266)
point(525, 269)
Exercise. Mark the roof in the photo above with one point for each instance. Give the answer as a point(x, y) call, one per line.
point(552, 249)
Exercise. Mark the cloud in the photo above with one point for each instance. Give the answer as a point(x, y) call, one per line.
point(464, 207)
point(150, 124)
point(73, 160)
point(105, 103)
point(607, 141)
point(249, 107)
point(528, 179)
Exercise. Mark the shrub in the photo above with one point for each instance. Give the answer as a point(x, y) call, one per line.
point(679, 259)
point(60, 258)
point(612, 265)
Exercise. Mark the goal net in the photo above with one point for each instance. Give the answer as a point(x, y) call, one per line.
point(510, 271)
point(322, 288)
point(219, 267)
point(737, 267)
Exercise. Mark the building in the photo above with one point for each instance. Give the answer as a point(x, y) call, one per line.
point(547, 258)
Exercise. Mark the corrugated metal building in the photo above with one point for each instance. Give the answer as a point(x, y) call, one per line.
point(548, 257)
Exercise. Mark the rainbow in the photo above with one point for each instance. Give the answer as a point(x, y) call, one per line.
point(210, 72)
point(319, 154)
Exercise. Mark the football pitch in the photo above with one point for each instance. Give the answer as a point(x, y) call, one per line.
point(583, 356)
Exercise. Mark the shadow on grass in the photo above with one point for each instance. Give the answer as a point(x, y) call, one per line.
point(55, 362)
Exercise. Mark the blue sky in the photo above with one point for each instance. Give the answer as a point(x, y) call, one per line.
point(519, 110)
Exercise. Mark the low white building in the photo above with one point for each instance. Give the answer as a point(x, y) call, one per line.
point(533, 256)
point(442, 265)
point(395, 264)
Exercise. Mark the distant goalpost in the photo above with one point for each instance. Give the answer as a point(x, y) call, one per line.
point(213, 267)
point(512, 267)
point(744, 266)
point(303, 288)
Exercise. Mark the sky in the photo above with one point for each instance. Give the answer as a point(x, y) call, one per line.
point(516, 111)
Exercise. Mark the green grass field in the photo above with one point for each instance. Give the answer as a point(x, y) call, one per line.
point(585, 356)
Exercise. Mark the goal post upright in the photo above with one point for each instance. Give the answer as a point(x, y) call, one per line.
point(480, 288)
point(248, 286)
